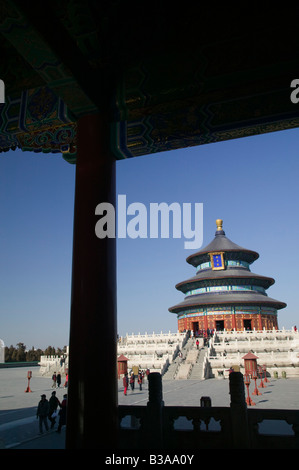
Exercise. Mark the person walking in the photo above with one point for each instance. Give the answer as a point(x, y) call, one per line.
point(66, 380)
point(58, 380)
point(54, 378)
point(62, 413)
point(132, 381)
point(42, 413)
point(140, 377)
point(125, 383)
point(53, 405)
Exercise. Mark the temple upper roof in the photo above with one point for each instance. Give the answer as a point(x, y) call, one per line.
point(222, 243)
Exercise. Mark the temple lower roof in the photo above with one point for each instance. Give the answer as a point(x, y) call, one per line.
point(223, 298)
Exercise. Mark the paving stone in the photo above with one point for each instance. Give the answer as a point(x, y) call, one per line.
point(19, 426)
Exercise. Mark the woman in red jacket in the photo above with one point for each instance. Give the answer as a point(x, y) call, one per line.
point(125, 383)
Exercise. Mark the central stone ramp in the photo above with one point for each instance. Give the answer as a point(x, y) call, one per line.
point(190, 364)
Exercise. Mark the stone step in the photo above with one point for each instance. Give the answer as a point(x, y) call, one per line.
point(192, 356)
point(196, 372)
point(184, 371)
point(169, 374)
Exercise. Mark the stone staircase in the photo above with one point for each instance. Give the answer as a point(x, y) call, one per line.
point(171, 371)
point(197, 369)
point(190, 365)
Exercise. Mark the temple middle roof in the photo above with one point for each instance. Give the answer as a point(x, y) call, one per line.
point(225, 275)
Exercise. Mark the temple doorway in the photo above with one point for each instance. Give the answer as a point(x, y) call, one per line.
point(247, 324)
point(219, 325)
point(195, 327)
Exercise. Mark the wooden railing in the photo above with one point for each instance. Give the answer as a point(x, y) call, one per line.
point(156, 426)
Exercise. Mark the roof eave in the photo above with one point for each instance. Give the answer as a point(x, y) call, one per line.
point(270, 302)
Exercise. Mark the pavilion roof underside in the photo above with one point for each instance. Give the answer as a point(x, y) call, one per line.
point(168, 76)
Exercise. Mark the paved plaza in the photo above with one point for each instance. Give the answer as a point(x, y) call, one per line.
point(278, 394)
point(19, 425)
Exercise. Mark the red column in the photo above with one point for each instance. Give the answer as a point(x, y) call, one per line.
point(234, 326)
point(260, 321)
point(92, 394)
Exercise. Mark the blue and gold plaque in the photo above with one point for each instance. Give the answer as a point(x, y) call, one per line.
point(217, 261)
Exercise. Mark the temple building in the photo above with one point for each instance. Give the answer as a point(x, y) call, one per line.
point(224, 293)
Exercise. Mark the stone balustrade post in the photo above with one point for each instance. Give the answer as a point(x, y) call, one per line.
point(238, 408)
point(154, 419)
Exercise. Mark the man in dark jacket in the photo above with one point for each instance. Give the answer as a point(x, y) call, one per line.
point(53, 405)
point(62, 413)
point(42, 413)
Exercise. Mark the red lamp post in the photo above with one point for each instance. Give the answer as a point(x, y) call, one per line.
point(265, 372)
point(29, 375)
point(247, 383)
point(260, 371)
point(256, 391)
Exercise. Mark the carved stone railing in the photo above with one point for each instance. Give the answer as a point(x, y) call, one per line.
point(274, 440)
point(156, 426)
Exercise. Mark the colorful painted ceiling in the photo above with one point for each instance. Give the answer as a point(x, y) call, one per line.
point(166, 75)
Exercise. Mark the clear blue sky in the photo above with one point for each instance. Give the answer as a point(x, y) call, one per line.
point(251, 183)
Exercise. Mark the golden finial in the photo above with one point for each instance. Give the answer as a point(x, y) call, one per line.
point(219, 223)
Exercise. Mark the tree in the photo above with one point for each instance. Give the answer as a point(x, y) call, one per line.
point(21, 353)
point(50, 351)
point(33, 354)
point(9, 353)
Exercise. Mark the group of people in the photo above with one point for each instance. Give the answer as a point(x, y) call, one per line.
point(131, 381)
point(49, 410)
point(202, 333)
point(57, 380)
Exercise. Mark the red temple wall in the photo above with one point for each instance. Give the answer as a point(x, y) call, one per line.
point(230, 322)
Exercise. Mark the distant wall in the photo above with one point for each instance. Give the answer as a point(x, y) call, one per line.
point(2, 351)
point(6, 365)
